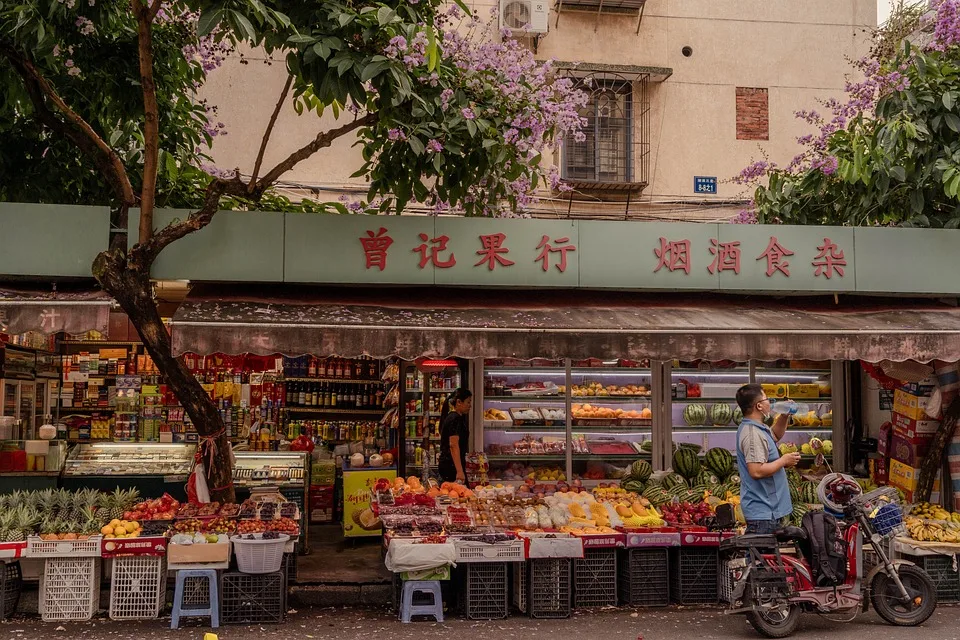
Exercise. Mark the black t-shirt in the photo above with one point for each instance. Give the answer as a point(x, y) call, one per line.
point(454, 424)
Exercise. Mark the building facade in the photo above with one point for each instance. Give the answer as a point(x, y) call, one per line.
point(685, 93)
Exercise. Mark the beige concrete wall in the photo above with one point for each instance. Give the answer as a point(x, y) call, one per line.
point(798, 50)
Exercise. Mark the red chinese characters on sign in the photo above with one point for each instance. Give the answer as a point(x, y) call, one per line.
point(830, 259)
point(674, 255)
point(493, 251)
point(775, 254)
point(726, 256)
point(432, 254)
point(546, 249)
point(375, 247)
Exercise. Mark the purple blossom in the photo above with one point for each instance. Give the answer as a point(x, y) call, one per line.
point(86, 26)
point(434, 146)
point(396, 134)
point(467, 113)
point(745, 216)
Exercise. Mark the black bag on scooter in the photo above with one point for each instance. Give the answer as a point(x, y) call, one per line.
point(826, 549)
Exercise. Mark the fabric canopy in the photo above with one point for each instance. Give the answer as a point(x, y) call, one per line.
point(415, 322)
point(70, 310)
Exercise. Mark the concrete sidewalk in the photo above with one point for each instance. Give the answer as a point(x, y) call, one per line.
point(619, 624)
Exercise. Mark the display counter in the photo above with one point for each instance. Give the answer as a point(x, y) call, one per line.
point(288, 472)
point(31, 464)
point(153, 469)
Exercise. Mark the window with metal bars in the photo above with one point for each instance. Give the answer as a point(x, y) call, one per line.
point(605, 155)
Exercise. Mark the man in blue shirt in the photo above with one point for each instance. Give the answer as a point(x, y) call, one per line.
point(764, 492)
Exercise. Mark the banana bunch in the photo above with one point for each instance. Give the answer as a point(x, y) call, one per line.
point(933, 512)
point(933, 531)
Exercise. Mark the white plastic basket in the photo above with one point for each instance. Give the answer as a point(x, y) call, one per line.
point(258, 555)
point(89, 548)
point(137, 587)
point(470, 551)
point(70, 589)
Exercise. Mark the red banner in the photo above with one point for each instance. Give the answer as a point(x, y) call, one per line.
point(112, 547)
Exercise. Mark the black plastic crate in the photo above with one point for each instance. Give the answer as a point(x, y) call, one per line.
point(11, 584)
point(694, 575)
point(595, 579)
point(548, 588)
point(643, 578)
point(253, 599)
point(484, 592)
point(941, 571)
point(290, 567)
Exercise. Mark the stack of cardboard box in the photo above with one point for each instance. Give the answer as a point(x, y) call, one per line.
point(912, 433)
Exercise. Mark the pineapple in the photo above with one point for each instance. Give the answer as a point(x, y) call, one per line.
point(62, 504)
point(46, 502)
point(25, 523)
point(119, 502)
point(91, 523)
point(6, 525)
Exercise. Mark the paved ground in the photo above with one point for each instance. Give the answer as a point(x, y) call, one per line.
point(620, 624)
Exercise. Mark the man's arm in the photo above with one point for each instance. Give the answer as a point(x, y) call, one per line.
point(779, 427)
point(759, 470)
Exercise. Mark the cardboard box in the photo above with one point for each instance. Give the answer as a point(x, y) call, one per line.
point(924, 388)
point(906, 477)
point(198, 553)
point(879, 470)
point(912, 428)
point(323, 472)
point(911, 406)
point(803, 391)
point(321, 504)
point(883, 441)
point(909, 451)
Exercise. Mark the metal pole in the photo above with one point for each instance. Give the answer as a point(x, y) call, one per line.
point(568, 412)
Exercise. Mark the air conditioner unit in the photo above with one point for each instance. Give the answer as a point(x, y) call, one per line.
point(524, 15)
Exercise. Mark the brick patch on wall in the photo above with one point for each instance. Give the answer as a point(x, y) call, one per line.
point(753, 116)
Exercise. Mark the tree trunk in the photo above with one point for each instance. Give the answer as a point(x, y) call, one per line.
point(132, 289)
point(933, 462)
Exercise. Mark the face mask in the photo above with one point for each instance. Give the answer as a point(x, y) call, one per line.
point(766, 416)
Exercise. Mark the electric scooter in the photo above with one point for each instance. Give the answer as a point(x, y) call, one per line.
point(772, 589)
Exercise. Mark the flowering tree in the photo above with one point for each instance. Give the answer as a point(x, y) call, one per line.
point(890, 153)
point(107, 87)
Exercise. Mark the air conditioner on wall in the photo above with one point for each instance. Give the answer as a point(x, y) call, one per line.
point(517, 14)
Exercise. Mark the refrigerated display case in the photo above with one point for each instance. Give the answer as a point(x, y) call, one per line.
point(527, 434)
point(31, 465)
point(288, 472)
point(153, 470)
point(18, 390)
point(425, 386)
point(704, 412)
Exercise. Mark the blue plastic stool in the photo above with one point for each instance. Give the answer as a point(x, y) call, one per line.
point(408, 609)
point(213, 608)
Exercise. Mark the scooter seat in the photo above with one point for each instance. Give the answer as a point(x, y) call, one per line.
point(791, 534)
point(750, 541)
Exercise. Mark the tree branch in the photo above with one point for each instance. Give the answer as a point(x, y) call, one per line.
point(323, 139)
point(75, 128)
point(151, 118)
point(269, 130)
point(154, 10)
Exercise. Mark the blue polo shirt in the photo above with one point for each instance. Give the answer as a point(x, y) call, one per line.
point(766, 498)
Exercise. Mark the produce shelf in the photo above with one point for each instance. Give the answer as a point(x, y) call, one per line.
point(731, 400)
point(576, 456)
point(576, 399)
point(353, 412)
point(561, 429)
point(559, 370)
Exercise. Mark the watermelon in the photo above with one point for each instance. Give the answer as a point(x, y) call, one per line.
point(694, 414)
point(734, 479)
point(641, 470)
point(721, 415)
point(690, 495)
point(799, 510)
point(808, 492)
point(795, 494)
point(633, 485)
point(737, 416)
point(686, 462)
point(646, 445)
point(705, 477)
point(673, 480)
point(720, 461)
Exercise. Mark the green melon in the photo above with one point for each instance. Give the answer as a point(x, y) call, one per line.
point(720, 461)
point(633, 485)
point(646, 445)
point(641, 470)
point(737, 416)
point(706, 477)
point(721, 415)
point(734, 479)
point(673, 480)
point(695, 414)
point(686, 462)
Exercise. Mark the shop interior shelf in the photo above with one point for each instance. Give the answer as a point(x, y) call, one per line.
point(576, 456)
point(355, 412)
point(432, 391)
point(333, 380)
point(575, 399)
point(685, 428)
point(561, 428)
point(575, 370)
point(731, 399)
point(760, 372)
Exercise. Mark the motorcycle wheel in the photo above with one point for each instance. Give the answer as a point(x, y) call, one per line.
point(776, 624)
point(885, 596)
